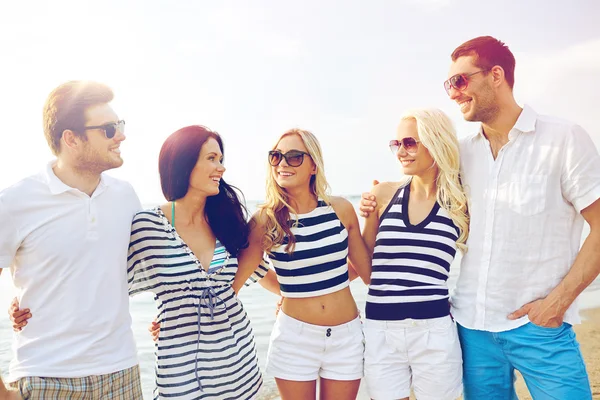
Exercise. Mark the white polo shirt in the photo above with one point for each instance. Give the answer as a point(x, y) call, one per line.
point(525, 218)
point(67, 253)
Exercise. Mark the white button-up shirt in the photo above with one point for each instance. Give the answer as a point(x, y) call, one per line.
point(525, 218)
point(67, 252)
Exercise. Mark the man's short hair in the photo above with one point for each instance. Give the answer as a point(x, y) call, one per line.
point(489, 52)
point(65, 108)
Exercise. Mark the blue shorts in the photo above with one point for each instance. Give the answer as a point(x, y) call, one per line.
point(548, 358)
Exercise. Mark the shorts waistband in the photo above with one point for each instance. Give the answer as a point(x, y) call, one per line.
point(300, 326)
point(405, 323)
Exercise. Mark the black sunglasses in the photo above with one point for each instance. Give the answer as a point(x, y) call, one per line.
point(110, 130)
point(293, 158)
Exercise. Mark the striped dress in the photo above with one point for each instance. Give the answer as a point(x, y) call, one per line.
point(206, 346)
point(411, 263)
point(318, 264)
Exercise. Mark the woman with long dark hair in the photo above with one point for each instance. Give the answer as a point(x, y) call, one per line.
point(185, 253)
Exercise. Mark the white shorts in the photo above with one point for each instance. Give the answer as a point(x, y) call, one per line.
point(303, 352)
point(424, 352)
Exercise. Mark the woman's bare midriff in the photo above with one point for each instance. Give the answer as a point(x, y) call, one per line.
point(327, 310)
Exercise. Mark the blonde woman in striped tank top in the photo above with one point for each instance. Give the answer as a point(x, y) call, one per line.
point(413, 234)
point(309, 237)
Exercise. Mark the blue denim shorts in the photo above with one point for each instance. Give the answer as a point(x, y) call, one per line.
point(548, 358)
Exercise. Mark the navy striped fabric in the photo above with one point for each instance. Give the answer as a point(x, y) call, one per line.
point(411, 263)
point(318, 264)
point(206, 345)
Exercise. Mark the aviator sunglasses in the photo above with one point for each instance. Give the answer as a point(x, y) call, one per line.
point(410, 144)
point(110, 130)
point(293, 158)
point(460, 81)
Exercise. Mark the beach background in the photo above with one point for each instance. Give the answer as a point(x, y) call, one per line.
point(260, 306)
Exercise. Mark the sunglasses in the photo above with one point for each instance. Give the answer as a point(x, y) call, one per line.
point(293, 158)
point(110, 130)
point(460, 81)
point(411, 145)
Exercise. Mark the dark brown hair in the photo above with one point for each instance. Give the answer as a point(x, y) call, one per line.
point(65, 108)
point(489, 52)
point(225, 212)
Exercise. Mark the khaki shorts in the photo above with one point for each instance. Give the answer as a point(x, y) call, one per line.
point(121, 385)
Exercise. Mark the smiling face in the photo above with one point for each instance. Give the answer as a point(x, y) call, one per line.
point(97, 153)
point(478, 102)
point(289, 177)
point(419, 163)
point(208, 171)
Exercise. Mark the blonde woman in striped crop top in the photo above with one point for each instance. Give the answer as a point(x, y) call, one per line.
point(310, 237)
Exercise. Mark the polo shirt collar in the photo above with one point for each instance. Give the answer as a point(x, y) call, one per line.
point(57, 186)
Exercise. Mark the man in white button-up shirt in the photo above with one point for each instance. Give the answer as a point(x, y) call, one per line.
point(531, 180)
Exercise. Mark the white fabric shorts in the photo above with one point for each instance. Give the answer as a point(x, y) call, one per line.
point(425, 353)
point(303, 352)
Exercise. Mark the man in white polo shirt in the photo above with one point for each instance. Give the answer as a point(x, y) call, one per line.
point(531, 181)
point(64, 235)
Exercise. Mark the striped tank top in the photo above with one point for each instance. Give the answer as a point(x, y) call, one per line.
point(318, 264)
point(411, 263)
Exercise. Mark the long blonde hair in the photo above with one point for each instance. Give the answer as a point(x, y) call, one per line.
point(277, 209)
point(437, 134)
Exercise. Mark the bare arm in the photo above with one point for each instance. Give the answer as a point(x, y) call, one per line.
point(250, 257)
point(382, 194)
point(6, 394)
point(357, 251)
point(270, 282)
point(550, 310)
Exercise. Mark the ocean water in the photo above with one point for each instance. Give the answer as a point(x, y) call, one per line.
point(258, 302)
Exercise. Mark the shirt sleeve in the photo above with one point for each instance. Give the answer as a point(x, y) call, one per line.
point(259, 272)
point(140, 275)
point(9, 236)
point(580, 179)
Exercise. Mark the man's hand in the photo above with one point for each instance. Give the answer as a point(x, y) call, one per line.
point(18, 317)
point(542, 313)
point(368, 202)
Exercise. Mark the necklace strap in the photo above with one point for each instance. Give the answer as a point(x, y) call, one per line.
point(173, 214)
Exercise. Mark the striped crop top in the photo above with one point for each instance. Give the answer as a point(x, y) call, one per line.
point(318, 265)
point(411, 263)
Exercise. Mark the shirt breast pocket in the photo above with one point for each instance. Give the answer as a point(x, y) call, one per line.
point(527, 194)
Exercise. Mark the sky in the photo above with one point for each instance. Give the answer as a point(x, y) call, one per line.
point(250, 70)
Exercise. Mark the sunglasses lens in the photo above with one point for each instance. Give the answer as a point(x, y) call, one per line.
point(294, 159)
point(110, 131)
point(275, 158)
point(410, 145)
point(459, 82)
point(393, 146)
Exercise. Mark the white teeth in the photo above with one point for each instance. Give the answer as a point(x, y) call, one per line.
point(464, 105)
point(118, 151)
point(285, 174)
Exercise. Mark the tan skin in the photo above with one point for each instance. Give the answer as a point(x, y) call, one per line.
point(423, 170)
point(327, 310)
point(6, 394)
point(494, 105)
